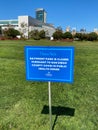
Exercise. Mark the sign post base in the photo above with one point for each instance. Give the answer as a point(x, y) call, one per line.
point(50, 107)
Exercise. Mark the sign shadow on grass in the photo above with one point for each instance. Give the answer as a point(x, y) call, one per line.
point(58, 111)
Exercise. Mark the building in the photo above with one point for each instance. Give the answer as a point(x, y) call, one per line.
point(26, 23)
point(96, 30)
point(68, 29)
point(73, 31)
point(41, 15)
point(9, 23)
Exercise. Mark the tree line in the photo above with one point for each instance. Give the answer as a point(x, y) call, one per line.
point(11, 33)
point(57, 35)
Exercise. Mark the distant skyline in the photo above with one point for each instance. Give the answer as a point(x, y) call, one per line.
point(74, 13)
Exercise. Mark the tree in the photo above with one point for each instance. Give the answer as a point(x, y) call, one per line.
point(42, 34)
point(0, 30)
point(67, 35)
point(11, 33)
point(34, 34)
point(57, 34)
point(79, 36)
point(89, 36)
point(24, 29)
point(92, 36)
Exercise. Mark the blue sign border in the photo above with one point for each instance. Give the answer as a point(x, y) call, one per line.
point(39, 77)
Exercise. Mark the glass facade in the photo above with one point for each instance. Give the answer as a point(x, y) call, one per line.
point(8, 22)
point(41, 15)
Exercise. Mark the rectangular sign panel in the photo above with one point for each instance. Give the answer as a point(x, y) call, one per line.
point(49, 63)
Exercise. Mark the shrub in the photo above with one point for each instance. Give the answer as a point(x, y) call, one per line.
point(82, 36)
point(11, 33)
point(57, 34)
point(79, 36)
point(67, 35)
point(42, 34)
point(36, 35)
point(92, 36)
point(0, 30)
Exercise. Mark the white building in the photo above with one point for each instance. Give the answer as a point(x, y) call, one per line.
point(96, 30)
point(25, 24)
point(9, 23)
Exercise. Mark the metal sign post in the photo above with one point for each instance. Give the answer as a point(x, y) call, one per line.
point(50, 107)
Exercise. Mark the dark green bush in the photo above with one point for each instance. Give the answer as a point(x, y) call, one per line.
point(11, 33)
point(67, 35)
point(92, 36)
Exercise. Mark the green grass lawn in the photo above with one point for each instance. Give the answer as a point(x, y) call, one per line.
point(22, 102)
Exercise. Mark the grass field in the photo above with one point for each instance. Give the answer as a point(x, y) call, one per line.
point(22, 102)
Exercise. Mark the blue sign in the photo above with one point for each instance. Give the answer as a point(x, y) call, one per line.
point(49, 63)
